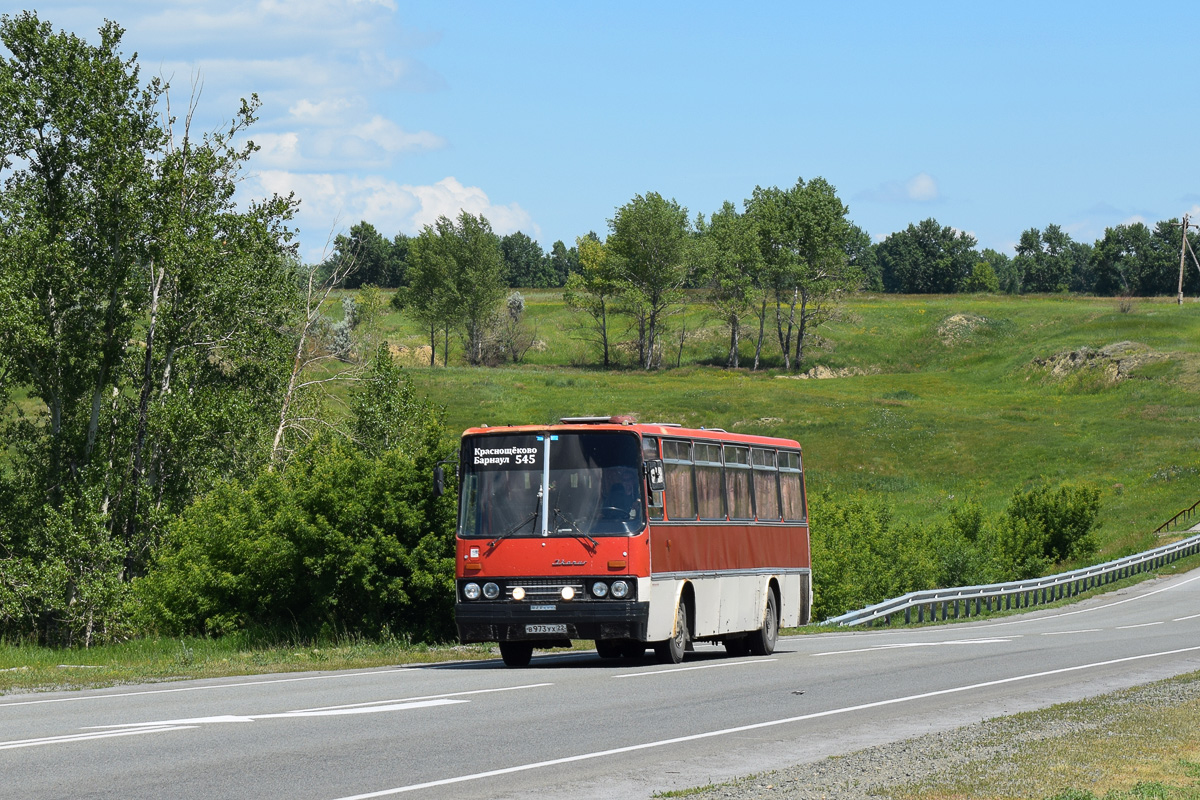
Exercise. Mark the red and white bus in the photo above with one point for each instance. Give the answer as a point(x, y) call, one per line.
point(634, 535)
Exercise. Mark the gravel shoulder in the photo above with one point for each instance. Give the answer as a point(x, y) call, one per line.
point(1149, 732)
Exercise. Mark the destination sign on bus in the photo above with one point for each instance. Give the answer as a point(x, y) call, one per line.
point(507, 452)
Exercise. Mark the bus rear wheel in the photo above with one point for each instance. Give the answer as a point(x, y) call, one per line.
point(609, 648)
point(633, 649)
point(516, 654)
point(762, 641)
point(671, 650)
point(737, 646)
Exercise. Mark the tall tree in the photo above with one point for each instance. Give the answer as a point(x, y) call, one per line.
point(731, 263)
point(649, 236)
point(1047, 260)
point(524, 262)
point(926, 258)
point(430, 296)
point(561, 262)
point(803, 233)
point(365, 257)
point(142, 308)
point(456, 281)
point(592, 290)
point(1122, 259)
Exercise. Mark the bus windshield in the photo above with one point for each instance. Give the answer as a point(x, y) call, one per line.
point(594, 488)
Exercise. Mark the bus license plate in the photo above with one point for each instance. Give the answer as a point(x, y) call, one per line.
point(561, 629)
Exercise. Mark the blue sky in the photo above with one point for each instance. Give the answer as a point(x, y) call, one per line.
point(546, 116)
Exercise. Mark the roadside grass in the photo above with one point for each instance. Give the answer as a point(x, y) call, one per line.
point(28, 668)
point(1138, 743)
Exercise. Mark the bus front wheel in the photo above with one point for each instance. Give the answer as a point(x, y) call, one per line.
point(516, 654)
point(671, 650)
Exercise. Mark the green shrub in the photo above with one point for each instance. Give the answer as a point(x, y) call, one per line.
point(861, 556)
point(342, 542)
point(1061, 520)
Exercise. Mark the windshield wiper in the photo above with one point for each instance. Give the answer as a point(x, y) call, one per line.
point(571, 522)
point(531, 518)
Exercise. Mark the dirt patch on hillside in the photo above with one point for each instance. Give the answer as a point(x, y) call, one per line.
point(959, 327)
point(410, 356)
point(1116, 361)
point(821, 372)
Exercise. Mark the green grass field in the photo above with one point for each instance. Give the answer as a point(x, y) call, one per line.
point(933, 418)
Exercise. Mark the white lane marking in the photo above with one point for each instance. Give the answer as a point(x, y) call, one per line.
point(702, 666)
point(431, 697)
point(1184, 619)
point(169, 724)
point(1142, 625)
point(336, 676)
point(80, 737)
point(1064, 633)
point(163, 726)
point(903, 645)
point(757, 725)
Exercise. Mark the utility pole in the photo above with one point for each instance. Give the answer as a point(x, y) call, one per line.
point(1184, 248)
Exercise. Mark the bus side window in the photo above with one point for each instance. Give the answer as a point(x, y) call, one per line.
point(680, 499)
point(766, 485)
point(737, 482)
point(709, 492)
point(791, 486)
point(654, 497)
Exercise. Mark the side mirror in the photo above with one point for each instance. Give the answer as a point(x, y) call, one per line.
point(439, 481)
point(654, 476)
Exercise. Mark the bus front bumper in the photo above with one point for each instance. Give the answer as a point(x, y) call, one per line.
point(510, 622)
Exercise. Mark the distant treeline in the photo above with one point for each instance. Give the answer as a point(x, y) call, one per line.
point(927, 257)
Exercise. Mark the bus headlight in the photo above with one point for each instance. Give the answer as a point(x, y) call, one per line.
point(568, 593)
point(620, 589)
point(599, 589)
point(471, 591)
point(491, 591)
point(518, 593)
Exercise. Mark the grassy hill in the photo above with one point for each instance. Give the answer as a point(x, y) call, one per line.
point(942, 398)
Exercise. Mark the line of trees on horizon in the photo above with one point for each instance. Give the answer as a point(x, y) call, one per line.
point(1131, 259)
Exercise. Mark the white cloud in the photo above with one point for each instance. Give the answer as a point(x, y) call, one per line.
point(331, 202)
point(920, 188)
point(1133, 220)
point(319, 112)
point(448, 197)
point(277, 149)
point(394, 139)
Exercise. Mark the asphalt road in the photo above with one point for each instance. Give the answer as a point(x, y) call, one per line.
point(574, 725)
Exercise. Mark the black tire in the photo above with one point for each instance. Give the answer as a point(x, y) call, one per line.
point(670, 651)
point(609, 648)
point(762, 641)
point(737, 646)
point(516, 654)
point(632, 649)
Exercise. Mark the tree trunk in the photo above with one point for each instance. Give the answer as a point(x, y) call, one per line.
point(800, 331)
point(604, 331)
point(143, 421)
point(762, 333)
point(732, 361)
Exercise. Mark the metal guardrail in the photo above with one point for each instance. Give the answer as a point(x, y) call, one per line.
point(967, 601)
point(1186, 515)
